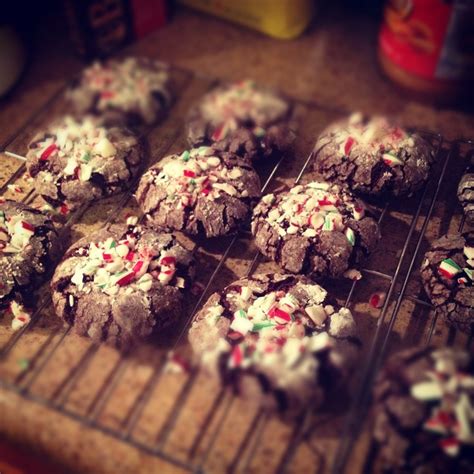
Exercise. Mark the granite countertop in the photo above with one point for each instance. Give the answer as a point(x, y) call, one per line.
point(333, 64)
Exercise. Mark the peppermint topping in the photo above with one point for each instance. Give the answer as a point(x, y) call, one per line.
point(449, 269)
point(80, 147)
point(196, 173)
point(312, 209)
point(449, 391)
point(241, 103)
point(377, 135)
point(15, 233)
point(126, 85)
point(282, 330)
point(112, 264)
point(20, 316)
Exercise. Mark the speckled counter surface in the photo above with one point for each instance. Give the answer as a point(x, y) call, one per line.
point(333, 65)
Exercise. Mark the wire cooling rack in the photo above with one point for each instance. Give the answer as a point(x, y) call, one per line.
point(152, 399)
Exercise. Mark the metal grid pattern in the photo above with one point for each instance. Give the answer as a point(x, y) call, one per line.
point(202, 448)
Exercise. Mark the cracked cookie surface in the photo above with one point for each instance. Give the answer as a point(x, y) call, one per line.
point(279, 336)
point(423, 411)
point(77, 161)
point(447, 274)
point(132, 92)
point(243, 118)
point(122, 285)
point(466, 194)
point(29, 246)
point(202, 191)
point(373, 156)
point(317, 229)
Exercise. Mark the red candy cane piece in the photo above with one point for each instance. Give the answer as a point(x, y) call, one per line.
point(126, 279)
point(168, 261)
point(48, 152)
point(349, 144)
point(276, 312)
point(64, 209)
point(325, 202)
point(130, 256)
point(189, 173)
point(138, 266)
point(107, 94)
point(107, 256)
point(218, 133)
point(237, 356)
point(27, 226)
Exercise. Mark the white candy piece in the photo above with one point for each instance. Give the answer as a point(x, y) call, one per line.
point(213, 161)
point(469, 252)
point(71, 166)
point(245, 293)
point(105, 148)
point(227, 188)
point(317, 314)
point(145, 282)
point(235, 173)
point(268, 198)
point(122, 250)
point(241, 325)
point(426, 391)
point(85, 172)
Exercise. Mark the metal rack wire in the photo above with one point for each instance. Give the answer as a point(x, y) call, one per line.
point(202, 448)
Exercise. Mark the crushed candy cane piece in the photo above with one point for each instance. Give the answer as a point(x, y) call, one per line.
point(352, 274)
point(377, 300)
point(449, 268)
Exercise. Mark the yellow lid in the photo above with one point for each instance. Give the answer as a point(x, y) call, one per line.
point(284, 19)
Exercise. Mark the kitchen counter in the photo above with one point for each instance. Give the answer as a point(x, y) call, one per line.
point(333, 64)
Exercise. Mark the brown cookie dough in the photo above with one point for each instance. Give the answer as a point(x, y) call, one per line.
point(77, 161)
point(466, 194)
point(317, 229)
point(202, 191)
point(276, 336)
point(243, 118)
point(132, 91)
point(423, 408)
point(29, 248)
point(122, 285)
point(447, 273)
point(373, 156)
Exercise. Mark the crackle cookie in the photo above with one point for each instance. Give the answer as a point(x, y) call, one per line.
point(317, 229)
point(77, 161)
point(373, 156)
point(447, 272)
point(242, 118)
point(466, 194)
point(122, 285)
point(424, 412)
point(276, 336)
point(132, 91)
point(29, 247)
point(202, 191)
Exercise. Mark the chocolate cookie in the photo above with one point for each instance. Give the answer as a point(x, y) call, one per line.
point(276, 336)
point(466, 194)
point(133, 91)
point(122, 285)
point(243, 118)
point(75, 162)
point(424, 405)
point(447, 272)
point(29, 247)
point(202, 191)
point(373, 156)
point(316, 229)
